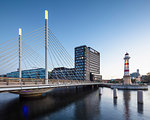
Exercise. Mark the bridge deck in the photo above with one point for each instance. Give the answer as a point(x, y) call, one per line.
point(7, 88)
point(13, 84)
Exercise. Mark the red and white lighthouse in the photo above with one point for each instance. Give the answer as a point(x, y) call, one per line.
point(126, 64)
point(126, 77)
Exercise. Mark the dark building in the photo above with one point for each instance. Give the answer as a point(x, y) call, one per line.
point(64, 73)
point(38, 73)
point(87, 63)
point(3, 75)
point(135, 74)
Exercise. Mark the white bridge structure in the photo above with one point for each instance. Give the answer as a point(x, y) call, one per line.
point(36, 87)
point(24, 53)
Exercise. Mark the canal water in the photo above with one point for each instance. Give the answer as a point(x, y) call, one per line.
point(76, 104)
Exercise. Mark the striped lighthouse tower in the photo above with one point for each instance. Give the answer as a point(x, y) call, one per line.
point(126, 64)
point(126, 77)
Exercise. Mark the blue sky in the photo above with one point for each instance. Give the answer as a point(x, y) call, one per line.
point(112, 27)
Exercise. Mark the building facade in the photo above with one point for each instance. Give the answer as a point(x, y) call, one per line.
point(38, 73)
point(87, 67)
point(64, 73)
point(87, 63)
point(135, 74)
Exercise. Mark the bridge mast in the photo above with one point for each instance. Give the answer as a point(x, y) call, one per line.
point(20, 52)
point(46, 47)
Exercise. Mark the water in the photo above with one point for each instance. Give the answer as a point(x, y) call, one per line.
point(72, 104)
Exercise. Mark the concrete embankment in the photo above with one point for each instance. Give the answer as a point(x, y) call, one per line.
point(130, 87)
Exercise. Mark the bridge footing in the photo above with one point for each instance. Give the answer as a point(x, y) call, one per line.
point(31, 93)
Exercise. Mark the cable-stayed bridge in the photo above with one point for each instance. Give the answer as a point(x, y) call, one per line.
point(37, 61)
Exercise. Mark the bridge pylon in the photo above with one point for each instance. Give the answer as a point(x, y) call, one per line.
point(20, 53)
point(46, 47)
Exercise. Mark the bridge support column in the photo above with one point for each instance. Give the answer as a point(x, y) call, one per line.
point(32, 93)
point(20, 54)
point(46, 47)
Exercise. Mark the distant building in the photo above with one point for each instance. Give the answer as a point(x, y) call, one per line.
point(135, 74)
point(117, 80)
point(143, 77)
point(87, 67)
point(138, 79)
point(106, 81)
point(64, 73)
point(87, 63)
point(38, 73)
point(3, 75)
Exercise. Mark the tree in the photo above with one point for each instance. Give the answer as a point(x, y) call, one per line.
point(148, 74)
point(147, 78)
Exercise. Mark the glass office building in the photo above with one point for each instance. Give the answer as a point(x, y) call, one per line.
point(87, 63)
point(87, 67)
point(38, 73)
point(64, 73)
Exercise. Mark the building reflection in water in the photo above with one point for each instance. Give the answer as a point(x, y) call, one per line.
point(100, 97)
point(89, 107)
point(52, 102)
point(126, 97)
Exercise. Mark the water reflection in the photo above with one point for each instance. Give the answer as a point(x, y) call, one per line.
point(75, 104)
point(115, 102)
point(88, 108)
point(126, 98)
point(100, 97)
point(140, 108)
point(52, 102)
point(26, 112)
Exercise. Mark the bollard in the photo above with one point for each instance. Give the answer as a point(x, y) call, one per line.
point(140, 96)
point(115, 92)
point(100, 91)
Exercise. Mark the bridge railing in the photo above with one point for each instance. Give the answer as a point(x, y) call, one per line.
point(31, 81)
point(16, 81)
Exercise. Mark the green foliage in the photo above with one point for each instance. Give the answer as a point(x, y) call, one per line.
point(148, 74)
point(147, 78)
